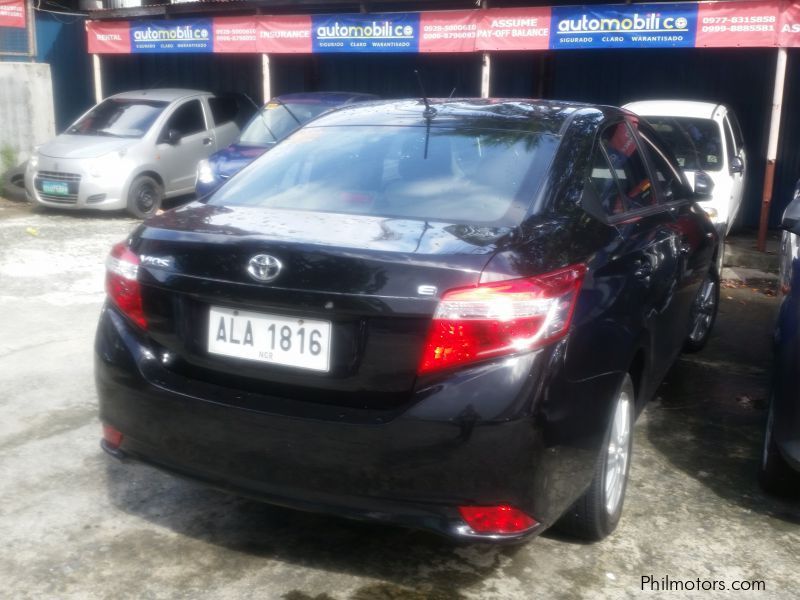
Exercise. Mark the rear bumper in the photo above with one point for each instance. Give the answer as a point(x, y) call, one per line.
point(503, 433)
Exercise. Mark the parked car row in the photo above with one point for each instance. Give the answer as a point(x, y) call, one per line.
point(135, 149)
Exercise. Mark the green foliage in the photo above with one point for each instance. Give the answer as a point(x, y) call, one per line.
point(8, 158)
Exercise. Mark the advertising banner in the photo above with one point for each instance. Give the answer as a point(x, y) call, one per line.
point(513, 29)
point(284, 35)
point(235, 34)
point(395, 32)
point(108, 37)
point(624, 26)
point(789, 34)
point(485, 30)
point(180, 35)
point(747, 23)
point(452, 31)
point(737, 24)
point(12, 13)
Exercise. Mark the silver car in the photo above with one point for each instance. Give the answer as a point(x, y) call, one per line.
point(131, 151)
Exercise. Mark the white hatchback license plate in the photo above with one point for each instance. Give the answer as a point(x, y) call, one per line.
point(302, 343)
point(56, 188)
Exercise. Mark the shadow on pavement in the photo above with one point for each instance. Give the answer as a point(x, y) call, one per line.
point(709, 414)
point(410, 560)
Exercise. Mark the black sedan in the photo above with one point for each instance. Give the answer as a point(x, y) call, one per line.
point(444, 316)
point(780, 459)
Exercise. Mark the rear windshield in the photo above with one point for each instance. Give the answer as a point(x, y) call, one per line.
point(277, 120)
point(119, 118)
point(696, 142)
point(442, 174)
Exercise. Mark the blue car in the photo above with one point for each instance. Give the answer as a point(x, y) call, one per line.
point(780, 462)
point(277, 119)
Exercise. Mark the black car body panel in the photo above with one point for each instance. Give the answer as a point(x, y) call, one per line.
point(786, 371)
point(371, 437)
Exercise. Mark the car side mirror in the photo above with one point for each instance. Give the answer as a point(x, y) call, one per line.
point(703, 187)
point(791, 216)
point(172, 137)
point(736, 166)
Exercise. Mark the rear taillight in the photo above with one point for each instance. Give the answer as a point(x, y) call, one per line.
point(112, 436)
point(496, 520)
point(494, 319)
point(122, 286)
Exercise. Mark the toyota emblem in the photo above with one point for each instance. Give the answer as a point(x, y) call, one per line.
point(263, 267)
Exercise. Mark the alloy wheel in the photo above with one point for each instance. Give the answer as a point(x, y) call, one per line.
point(619, 445)
point(703, 311)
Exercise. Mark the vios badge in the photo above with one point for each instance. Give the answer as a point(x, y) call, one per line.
point(263, 267)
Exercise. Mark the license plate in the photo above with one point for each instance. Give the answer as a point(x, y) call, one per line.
point(56, 188)
point(302, 343)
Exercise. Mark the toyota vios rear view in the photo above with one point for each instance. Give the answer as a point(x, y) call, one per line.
point(442, 317)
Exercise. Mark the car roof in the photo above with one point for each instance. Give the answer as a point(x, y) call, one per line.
point(674, 108)
point(161, 94)
point(326, 97)
point(535, 116)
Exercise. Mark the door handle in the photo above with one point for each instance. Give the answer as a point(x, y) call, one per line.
point(207, 141)
point(642, 269)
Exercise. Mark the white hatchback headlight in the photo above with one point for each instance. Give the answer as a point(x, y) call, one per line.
point(33, 161)
point(205, 174)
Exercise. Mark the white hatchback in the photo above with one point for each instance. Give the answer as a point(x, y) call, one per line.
point(704, 137)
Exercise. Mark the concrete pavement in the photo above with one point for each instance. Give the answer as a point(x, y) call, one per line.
point(75, 523)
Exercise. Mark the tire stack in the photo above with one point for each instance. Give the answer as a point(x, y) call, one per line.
point(12, 184)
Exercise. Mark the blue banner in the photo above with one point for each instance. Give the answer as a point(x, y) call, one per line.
point(184, 35)
point(396, 32)
point(624, 26)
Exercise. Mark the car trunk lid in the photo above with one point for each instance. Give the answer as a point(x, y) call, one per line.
point(374, 280)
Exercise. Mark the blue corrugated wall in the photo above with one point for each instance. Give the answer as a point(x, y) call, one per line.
point(61, 42)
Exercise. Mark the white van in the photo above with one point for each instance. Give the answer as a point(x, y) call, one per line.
point(704, 137)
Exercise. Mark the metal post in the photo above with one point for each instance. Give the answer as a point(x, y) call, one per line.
point(98, 78)
point(266, 85)
point(30, 24)
point(772, 147)
point(486, 75)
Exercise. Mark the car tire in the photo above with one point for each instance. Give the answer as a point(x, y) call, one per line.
point(596, 514)
point(775, 474)
point(704, 313)
point(13, 184)
point(144, 197)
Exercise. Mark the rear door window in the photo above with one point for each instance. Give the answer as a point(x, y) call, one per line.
point(187, 119)
point(605, 184)
point(223, 109)
point(667, 172)
point(619, 142)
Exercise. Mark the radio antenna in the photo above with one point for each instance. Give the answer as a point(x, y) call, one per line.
point(429, 111)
